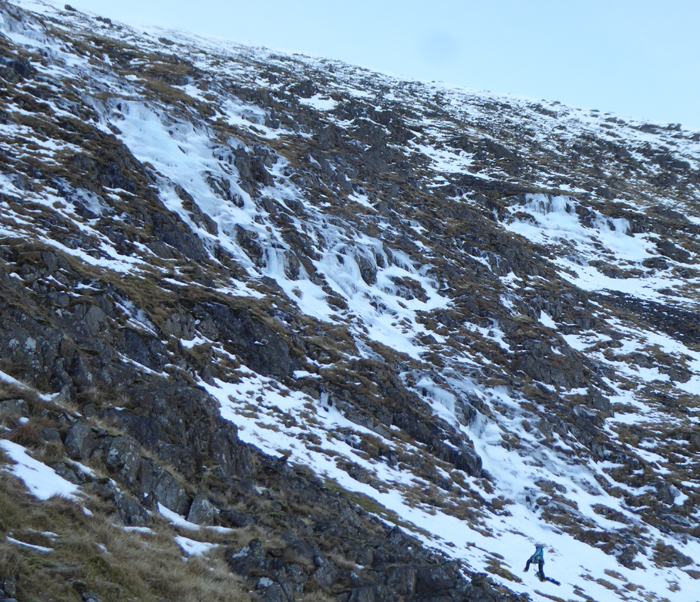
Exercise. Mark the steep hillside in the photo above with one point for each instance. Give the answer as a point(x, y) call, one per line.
point(325, 334)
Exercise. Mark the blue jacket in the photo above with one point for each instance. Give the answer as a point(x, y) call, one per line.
point(538, 556)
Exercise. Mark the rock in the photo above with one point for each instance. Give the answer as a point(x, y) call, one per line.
point(436, 579)
point(180, 325)
point(468, 461)
point(170, 230)
point(403, 581)
point(14, 408)
point(665, 492)
point(71, 475)
point(180, 458)
point(249, 558)
point(625, 556)
point(248, 240)
point(262, 350)
point(252, 170)
point(668, 556)
point(273, 591)
point(327, 576)
point(142, 428)
point(465, 412)
point(95, 320)
point(131, 513)
point(656, 263)
point(297, 551)
point(201, 511)
point(370, 593)
point(123, 457)
point(236, 518)
point(368, 270)
point(305, 89)
point(540, 367)
point(14, 70)
point(408, 288)
point(166, 489)
point(50, 435)
point(136, 349)
point(79, 441)
point(670, 250)
point(598, 401)
point(232, 455)
point(9, 586)
point(190, 418)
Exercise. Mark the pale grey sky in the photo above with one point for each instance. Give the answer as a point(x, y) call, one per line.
point(639, 58)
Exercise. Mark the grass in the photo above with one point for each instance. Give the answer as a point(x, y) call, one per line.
point(496, 567)
point(84, 550)
point(91, 552)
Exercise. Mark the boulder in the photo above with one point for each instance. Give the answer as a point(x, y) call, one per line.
point(201, 511)
point(271, 591)
point(236, 518)
point(250, 558)
point(14, 408)
point(163, 487)
point(123, 458)
point(9, 586)
point(79, 441)
point(50, 435)
point(403, 581)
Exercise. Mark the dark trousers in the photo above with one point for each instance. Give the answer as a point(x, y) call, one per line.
point(540, 568)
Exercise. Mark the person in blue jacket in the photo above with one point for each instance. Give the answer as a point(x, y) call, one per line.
point(537, 557)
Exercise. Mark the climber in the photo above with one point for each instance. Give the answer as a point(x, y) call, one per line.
point(537, 557)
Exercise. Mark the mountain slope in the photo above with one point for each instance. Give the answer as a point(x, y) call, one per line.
point(474, 317)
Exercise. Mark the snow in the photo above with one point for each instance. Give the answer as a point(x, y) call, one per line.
point(260, 414)
point(181, 522)
point(29, 546)
point(547, 320)
point(42, 481)
point(319, 102)
point(176, 519)
point(142, 530)
point(192, 547)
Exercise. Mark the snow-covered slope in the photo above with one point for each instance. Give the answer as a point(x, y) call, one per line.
point(479, 311)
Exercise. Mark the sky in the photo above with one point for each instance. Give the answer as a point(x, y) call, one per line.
point(636, 58)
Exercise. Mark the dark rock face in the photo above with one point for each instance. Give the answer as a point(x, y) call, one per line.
point(403, 580)
point(163, 487)
point(122, 456)
point(674, 321)
point(190, 418)
point(264, 350)
point(142, 428)
point(14, 70)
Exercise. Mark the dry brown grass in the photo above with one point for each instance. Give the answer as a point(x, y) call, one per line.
point(115, 563)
